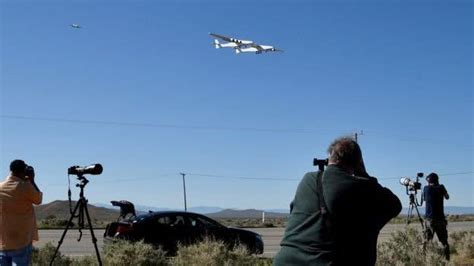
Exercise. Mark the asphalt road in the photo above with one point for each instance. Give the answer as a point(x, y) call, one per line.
point(271, 238)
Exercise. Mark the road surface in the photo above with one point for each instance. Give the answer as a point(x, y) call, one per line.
point(271, 238)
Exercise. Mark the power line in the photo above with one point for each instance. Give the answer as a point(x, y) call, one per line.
point(243, 177)
point(418, 139)
point(155, 125)
point(448, 174)
point(294, 179)
point(246, 177)
point(222, 128)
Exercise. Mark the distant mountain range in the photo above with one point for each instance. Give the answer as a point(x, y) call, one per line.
point(103, 212)
point(143, 208)
point(250, 213)
point(106, 212)
point(198, 209)
point(60, 210)
point(451, 210)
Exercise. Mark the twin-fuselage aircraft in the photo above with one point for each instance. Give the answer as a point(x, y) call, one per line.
point(242, 46)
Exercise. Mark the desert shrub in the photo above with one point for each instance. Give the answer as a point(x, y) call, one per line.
point(462, 247)
point(52, 221)
point(42, 256)
point(133, 253)
point(406, 248)
point(460, 218)
point(253, 222)
point(86, 261)
point(210, 252)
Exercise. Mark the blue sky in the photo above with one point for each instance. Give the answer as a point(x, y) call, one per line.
point(401, 71)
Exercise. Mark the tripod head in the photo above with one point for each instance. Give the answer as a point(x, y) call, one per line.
point(83, 181)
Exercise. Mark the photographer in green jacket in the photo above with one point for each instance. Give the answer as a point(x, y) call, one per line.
point(336, 215)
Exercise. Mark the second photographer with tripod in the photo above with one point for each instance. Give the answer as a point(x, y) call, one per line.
point(435, 221)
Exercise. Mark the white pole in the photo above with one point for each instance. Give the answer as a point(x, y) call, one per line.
point(263, 217)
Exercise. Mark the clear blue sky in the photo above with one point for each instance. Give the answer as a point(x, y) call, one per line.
point(401, 71)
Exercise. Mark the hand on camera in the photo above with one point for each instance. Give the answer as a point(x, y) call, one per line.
point(360, 169)
point(30, 173)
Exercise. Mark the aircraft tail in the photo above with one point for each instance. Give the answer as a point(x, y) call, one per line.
point(217, 44)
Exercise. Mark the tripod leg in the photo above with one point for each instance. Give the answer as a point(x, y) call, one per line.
point(80, 220)
point(65, 231)
point(410, 210)
point(419, 218)
point(94, 240)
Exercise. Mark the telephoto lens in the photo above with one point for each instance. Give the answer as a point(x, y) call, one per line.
point(93, 169)
point(405, 181)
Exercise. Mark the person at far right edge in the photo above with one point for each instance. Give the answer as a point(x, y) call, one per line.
point(336, 215)
point(435, 221)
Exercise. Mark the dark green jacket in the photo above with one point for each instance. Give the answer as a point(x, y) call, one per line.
point(358, 208)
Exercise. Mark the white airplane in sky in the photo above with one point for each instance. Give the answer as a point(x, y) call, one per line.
point(242, 46)
point(76, 26)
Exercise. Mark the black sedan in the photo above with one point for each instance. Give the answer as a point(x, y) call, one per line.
point(167, 229)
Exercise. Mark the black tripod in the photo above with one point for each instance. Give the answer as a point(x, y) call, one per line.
point(413, 205)
point(81, 207)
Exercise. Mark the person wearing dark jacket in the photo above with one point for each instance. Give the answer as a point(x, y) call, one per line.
point(337, 214)
point(435, 221)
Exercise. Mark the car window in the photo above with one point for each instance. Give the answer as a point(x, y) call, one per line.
point(165, 220)
point(192, 221)
point(206, 223)
point(180, 221)
point(173, 220)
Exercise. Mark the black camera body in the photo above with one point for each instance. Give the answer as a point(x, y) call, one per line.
point(93, 169)
point(320, 163)
point(416, 186)
point(29, 170)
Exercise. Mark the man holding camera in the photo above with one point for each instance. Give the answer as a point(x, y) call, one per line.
point(18, 227)
point(435, 221)
point(336, 215)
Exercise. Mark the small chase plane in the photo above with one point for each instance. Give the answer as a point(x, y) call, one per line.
point(242, 46)
point(76, 26)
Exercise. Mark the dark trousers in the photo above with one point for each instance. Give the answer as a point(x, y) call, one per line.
point(437, 227)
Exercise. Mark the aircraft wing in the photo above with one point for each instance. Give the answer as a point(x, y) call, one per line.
point(258, 47)
point(227, 39)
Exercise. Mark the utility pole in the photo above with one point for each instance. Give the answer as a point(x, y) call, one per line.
point(184, 190)
point(356, 135)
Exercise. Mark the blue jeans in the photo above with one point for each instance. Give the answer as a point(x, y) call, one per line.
point(17, 257)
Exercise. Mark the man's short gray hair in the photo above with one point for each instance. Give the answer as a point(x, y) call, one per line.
point(345, 151)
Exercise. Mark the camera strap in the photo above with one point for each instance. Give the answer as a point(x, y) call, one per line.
point(319, 192)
